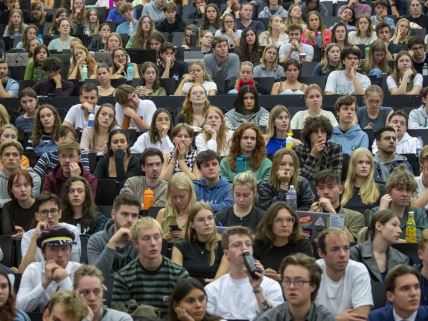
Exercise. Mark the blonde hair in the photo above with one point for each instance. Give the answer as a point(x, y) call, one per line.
point(369, 192)
point(144, 223)
point(4, 116)
point(179, 181)
point(221, 136)
point(394, 38)
point(246, 178)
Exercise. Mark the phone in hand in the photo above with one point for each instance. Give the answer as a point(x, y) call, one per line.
point(174, 227)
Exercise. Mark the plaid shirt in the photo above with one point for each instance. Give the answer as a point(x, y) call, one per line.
point(331, 157)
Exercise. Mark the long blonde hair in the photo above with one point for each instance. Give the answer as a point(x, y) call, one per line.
point(369, 192)
point(179, 181)
point(221, 136)
point(394, 38)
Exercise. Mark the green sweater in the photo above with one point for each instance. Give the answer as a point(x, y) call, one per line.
point(146, 287)
point(31, 71)
point(262, 173)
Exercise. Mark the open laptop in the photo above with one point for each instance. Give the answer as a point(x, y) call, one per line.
point(313, 223)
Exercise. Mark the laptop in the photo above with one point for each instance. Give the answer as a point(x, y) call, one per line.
point(16, 59)
point(313, 223)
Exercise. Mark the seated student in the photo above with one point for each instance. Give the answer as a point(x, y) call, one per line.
point(330, 61)
point(238, 295)
point(18, 214)
point(404, 79)
point(345, 286)
point(401, 186)
point(200, 253)
point(386, 158)
point(69, 165)
point(149, 278)
point(111, 249)
point(10, 154)
point(329, 188)
point(398, 41)
point(419, 58)
point(119, 163)
point(418, 117)
point(182, 158)
point(9, 87)
point(406, 144)
point(169, 67)
point(41, 280)
point(8, 133)
point(245, 77)
point(66, 303)
point(77, 116)
point(295, 49)
point(172, 22)
point(151, 161)
point(278, 236)
point(28, 103)
point(247, 110)
point(89, 283)
point(373, 116)
point(47, 204)
point(347, 81)
point(211, 188)
point(55, 85)
point(381, 9)
point(243, 211)
point(180, 196)
point(403, 292)
point(114, 12)
point(360, 192)
point(301, 279)
point(423, 266)
point(317, 153)
point(78, 206)
point(376, 252)
point(247, 153)
point(348, 134)
point(130, 25)
point(421, 198)
point(284, 173)
point(8, 308)
point(49, 160)
point(131, 111)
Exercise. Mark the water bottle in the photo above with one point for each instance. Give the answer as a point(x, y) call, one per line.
point(193, 39)
point(91, 119)
point(40, 37)
point(289, 140)
point(148, 198)
point(130, 29)
point(84, 73)
point(292, 197)
point(419, 145)
point(366, 52)
point(86, 30)
point(40, 74)
point(319, 40)
point(130, 72)
point(241, 164)
point(425, 70)
point(411, 228)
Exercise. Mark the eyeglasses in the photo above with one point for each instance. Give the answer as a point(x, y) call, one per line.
point(282, 220)
point(45, 213)
point(298, 283)
point(388, 138)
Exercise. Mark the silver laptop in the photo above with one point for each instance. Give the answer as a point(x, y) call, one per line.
point(312, 223)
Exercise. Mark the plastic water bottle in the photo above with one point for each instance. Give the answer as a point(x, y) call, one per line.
point(91, 119)
point(130, 29)
point(40, 73)
point(84, 73)
point(148, 198)
point(289, 140)
point(411, 228)
point(419, 145)
point(40, 37)
point(292, 197)
point(319, 40)
point(130, 72)
point(86, 30)
point(193, 39)
point(241, 164)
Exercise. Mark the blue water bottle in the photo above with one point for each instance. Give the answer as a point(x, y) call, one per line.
point(130, 72)
point(291, 198)
point(241, 164)
point(319, 40)
point(91, 120)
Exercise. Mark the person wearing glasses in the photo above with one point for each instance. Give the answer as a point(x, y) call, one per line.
point(386, 157)
point(301, 279)
point(47, 216)
point(41, 280)
point(88, 282)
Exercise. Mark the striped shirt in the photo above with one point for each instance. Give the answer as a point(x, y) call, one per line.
point(48, 161)
point(146, 287)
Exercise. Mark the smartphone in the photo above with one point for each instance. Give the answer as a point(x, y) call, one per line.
point(250, 264)
point(174, 227)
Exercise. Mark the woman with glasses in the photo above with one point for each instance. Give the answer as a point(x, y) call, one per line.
point(376, 252)
point(63, 41)
point(200, 253)
point(88, 282)
point(373, 116)
point(269, 66)
point(278, 236)
point(228, 30)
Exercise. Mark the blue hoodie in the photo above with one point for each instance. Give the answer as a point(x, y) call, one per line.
point(218, 196)
point(354, 138)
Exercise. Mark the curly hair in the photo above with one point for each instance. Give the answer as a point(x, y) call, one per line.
point(264, 232)
point(313, 124)
point(259, 152)
point(88, 206)
point(402, 178)
point(187, 109)
point(38, 130)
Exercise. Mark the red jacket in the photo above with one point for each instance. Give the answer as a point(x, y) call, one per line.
point(55, 180)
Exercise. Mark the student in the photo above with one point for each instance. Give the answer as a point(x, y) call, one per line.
point(68, 304)
point(421, 197)
point(28, 102)
point(269, 66)
point(246, 21)
point(8, 310)
point(172, 22)
point(169, 66)
point(130, 25)
point(9, 87)
point(295, 49)
point(418, 118)
point(419, 57)
point(364, 34)
point(381, 9)
point(404, 79)
point(329, 62)
point(55, 85)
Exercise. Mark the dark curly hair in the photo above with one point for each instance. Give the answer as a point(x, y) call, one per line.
point(313, 124)
point(259, 152)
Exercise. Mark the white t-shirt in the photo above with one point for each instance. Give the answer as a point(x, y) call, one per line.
point(202, 144)
point(417, 81)
point(299, 118)
point(76, 116)
point(352, 291)
point(146, 109)
point(285, 49)
point(421, 188)
point(339, 85)
point(406, 145)
point(208, 85)
point(143, 142)
point(233, 299)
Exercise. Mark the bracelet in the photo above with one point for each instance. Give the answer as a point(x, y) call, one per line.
point(258, 290)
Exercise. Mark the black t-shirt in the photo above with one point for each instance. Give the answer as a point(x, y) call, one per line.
point(228, 218)
point(422, 20)
point(356, 204)
point(177, 70)
point(419, 66)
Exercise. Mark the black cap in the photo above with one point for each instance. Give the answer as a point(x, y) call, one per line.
point(55, 237)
